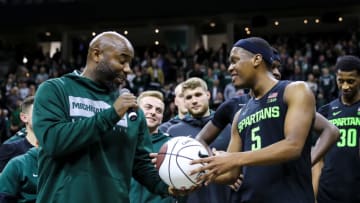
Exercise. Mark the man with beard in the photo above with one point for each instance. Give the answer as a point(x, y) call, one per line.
point(340, 174)
point(196, 100)
point(89, 148)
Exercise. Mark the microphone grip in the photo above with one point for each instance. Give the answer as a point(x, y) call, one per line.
point(132, 115)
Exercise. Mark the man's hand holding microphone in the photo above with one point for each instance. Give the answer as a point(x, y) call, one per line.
point(126, 102)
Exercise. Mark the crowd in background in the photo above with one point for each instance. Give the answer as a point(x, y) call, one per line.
point(307, 58)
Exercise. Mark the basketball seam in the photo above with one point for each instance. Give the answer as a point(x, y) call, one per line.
point(177, 155)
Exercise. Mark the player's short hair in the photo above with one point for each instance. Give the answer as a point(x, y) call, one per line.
point(193, 83)
point(178, 88)
point(26, 103)
point(348, 63)
point(150, 93)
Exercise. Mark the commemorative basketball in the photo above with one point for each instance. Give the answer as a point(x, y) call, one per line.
point(173, 161)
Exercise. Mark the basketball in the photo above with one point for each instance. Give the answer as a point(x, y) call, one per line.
point(173, 161)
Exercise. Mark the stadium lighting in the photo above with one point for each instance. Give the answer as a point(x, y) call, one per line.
point(25, 60)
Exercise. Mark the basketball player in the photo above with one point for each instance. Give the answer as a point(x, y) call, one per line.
point(270, 142)
point(328, 132)
point(340, 175)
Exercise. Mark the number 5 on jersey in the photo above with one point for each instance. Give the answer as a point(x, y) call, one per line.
point(255, 139)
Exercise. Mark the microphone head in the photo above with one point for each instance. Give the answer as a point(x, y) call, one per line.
point(132, 115)
point(123, 91)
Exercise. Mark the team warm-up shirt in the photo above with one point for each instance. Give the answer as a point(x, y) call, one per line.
point(138, 192)
point(11, 149)
point(340, 176)
point(91, 153)
point(165, 126)
point(261, 123)
point(18, 181)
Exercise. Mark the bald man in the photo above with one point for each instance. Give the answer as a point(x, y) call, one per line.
point(89, 149)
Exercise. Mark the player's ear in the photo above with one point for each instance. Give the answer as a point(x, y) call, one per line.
point(257, 59)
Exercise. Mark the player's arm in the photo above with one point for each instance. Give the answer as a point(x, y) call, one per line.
point(235, 145)
point(329, 134)
point(208, 133)
point(220, 120)
point(225, 159)
point(316, 172)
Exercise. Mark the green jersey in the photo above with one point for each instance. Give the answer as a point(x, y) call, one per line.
point(87, 152)
point(139, 193)
point(18, 181)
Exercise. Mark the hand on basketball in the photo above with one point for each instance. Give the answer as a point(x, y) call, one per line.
point(182, 192)
point(216, 165)
point(153, 157)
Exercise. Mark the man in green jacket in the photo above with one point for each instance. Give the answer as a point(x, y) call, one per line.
point(89, 148)
point(152, 104)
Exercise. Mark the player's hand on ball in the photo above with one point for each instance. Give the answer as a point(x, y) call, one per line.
point(182, 192)
point(216, 165)
point(153, 157)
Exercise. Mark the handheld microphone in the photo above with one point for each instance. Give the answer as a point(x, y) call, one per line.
point(132, 115)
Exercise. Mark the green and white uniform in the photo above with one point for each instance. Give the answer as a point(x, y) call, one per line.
point(18, 181)
point(138, 193)
point(87, 152)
